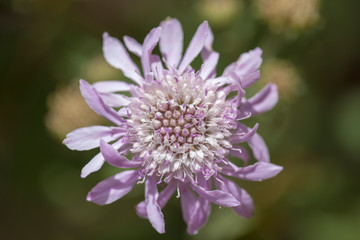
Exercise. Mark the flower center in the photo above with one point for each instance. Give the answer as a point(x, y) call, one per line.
point(175, 125)
point(181, 126)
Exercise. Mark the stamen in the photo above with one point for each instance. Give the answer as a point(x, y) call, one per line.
point(178, 192)
point(142, 180)
point(160, 180)
point(168, 114)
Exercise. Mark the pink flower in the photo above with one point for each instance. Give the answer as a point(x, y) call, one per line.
point(180, 126)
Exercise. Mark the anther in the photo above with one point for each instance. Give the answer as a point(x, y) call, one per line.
point(159, 115)
point(173, 122)
point(162, 106)
point(173, 138)
point(168, 114)
point(177, 129)
point(176, 114)
point(185, 132)
point(181, 121)
point(157, 124)
point(166, 122)
point(190, 109)
point(172, 106)
point(188, 117)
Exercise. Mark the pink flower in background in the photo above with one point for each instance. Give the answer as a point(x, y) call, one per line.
point(180, 125)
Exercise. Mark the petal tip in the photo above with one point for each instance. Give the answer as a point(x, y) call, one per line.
point(83, 83)
point(103, 144)
point(259, 50)
point(105, 35)
point(278, 169)
point(249, 214)
point(83, 174)
point(65, 141)
point(168, 19)
point(141, 210)
point(89, 198)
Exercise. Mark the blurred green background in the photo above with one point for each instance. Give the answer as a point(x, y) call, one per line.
point(311, 50)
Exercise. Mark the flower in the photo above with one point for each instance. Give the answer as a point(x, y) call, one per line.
point(286, 77)
point(285, 15)
point(180, 125)
point(68, 111)
point(219, 12)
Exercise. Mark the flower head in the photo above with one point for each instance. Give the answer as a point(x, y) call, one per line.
point(180, 125)
point(285, 75)
point(285, 15)
point(68, 111)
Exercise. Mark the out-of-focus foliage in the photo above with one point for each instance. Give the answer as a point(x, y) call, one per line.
point(311, 50)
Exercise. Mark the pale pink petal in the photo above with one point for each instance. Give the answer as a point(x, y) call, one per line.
point(112, 86)
point(141, 209)
point(246, 207)
point(196, 210)
point(171, 41)
point(243, 136)
point(259, 148)
point(157, 67)
point(149, 44)
point(115, 159)
point(113, 188)
point(246, 67)
point(200, 215)
point(89, 137)
point(209, 66)
point(263, 101)
point(133, 46)
point(196, 45)
point(97, 161)
point(116, 55)
point(94, 165)
point(220, 81)
point(188, 203)
point(230, 69)
point(249, 62)
point(256, 172)
point(96, 103)
point(153, 209)
point(207, 50)
point(166, 194)
point(149, 77)
point(114, 99)
point(216, 196)
point(250, 79)
point(124, 111)
point(163, 198)
point(235, 86)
